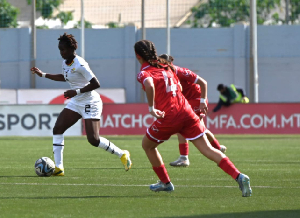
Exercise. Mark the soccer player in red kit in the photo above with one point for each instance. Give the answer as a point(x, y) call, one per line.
point(174, 115)
point(192, 85)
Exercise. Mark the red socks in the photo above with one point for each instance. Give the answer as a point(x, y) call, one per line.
point(229, 168)
point(184, 148)
point(225, 164)
point(215, 143)
point(162, 173)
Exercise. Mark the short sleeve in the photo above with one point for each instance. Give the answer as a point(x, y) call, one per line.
point(85, 70)
point(142, 76)
point(186, 74)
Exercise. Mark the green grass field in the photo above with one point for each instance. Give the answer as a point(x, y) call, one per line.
point(96, 185)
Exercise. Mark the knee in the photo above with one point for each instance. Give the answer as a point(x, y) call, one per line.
point(57, 129)
point(93, 140)
point(145, 147)
point(148, 147)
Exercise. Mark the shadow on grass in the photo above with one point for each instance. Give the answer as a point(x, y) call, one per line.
point(61, 197)
point(17, 176)
point(109, 168)
point(256, 214)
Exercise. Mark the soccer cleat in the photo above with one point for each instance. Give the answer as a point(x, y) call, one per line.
point(223, 148)
point(160, 186)
point(180, 162)
point(244, 183)
point(125, 159)
point(58, 172)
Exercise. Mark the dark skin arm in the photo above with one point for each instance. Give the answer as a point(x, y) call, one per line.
point(220, 104)
point(241, 91)
point(94, 83)
point(55, 77)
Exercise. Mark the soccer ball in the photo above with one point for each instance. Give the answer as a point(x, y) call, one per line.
point(44, 166)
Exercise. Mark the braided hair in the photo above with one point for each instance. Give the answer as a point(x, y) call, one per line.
point(147, 51)
point(69, 40)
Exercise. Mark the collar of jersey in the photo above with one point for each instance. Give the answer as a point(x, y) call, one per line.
point(145, 65)
point(70, 64)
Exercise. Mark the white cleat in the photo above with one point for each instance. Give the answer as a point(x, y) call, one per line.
point(244, 183)
point(223, 149)
point(180, 162)
point(160, 186)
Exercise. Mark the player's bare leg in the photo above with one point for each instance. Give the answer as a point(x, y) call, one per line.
point(203, 145)
point(212, 139)
point(92, 127)
point(164, 183)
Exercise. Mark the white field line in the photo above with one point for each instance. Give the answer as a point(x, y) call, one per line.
point(121, 185)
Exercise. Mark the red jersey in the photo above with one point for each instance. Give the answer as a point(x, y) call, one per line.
point(168, 97)
point(179, 116)
point(188, 80)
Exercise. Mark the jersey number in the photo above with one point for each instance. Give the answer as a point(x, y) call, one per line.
point(170, 85)
point(87, 108)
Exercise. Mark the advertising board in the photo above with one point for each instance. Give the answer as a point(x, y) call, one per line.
point(133, 119)
point(32, 120)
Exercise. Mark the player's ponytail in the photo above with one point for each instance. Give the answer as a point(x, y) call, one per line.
point(147, 51)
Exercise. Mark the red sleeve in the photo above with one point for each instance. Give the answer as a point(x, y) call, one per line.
point(142, 76)
point(186, 74)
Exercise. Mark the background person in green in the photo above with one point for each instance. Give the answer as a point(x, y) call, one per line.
point(230, 95)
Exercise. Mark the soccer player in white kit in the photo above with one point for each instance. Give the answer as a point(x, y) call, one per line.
point(85, 103)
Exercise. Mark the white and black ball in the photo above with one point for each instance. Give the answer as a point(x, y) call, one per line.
point(44, 166)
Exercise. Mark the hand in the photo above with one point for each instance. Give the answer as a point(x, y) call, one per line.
point(201, 116)
point(36, 71)
point(70, 94)
point(203, 108)
point(157, 113)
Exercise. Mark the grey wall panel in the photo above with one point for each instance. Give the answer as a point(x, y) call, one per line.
point(219, 55)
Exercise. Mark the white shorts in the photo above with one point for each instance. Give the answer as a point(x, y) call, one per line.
point(87, 111)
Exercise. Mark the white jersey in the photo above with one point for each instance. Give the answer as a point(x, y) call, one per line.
point(78, 74)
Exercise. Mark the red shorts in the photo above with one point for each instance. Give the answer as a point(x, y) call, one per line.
point(185, 122)
point(195, 104)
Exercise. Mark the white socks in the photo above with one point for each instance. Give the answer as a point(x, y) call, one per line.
point(58, 150)
point(110, 147)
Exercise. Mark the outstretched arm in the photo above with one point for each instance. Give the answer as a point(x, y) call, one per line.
point(240, 90)
point(218, 106)
point(55, 77)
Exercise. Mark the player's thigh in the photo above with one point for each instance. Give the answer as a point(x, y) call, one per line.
point(203, 145)
point(149, 144)
point(92, 128)
point(209, 135)
point(181, 138)
point(65, 120)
